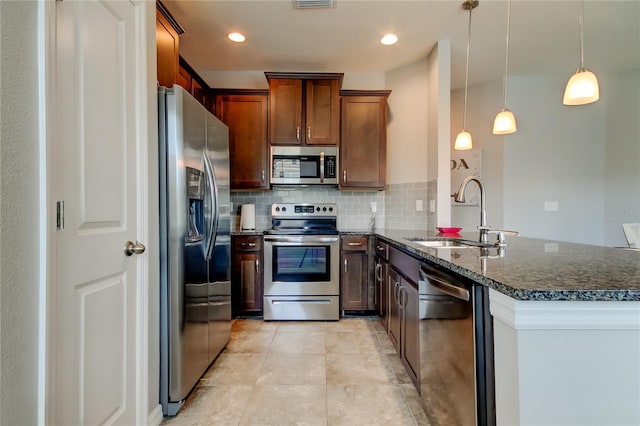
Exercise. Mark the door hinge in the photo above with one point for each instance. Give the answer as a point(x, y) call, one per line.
point(59, 215)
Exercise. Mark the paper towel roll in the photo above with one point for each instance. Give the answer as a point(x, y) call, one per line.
point(248, 217)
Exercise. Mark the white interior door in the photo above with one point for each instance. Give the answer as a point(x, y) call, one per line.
point(97, 114)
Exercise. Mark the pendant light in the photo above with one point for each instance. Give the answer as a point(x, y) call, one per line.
point(463, 140)
point(582, 87)
point(505, 121)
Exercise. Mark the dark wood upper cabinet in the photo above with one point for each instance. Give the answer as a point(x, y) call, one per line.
point(184, 78)
point(304, 108)
point(167, 46)
point(363, 144)
point(245, 113)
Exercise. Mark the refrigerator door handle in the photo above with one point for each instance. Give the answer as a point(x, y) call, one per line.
point(213, 226)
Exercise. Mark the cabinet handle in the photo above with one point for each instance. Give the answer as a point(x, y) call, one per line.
point(379, 248)
point(248, 244)
point(395, 291)
point(344, 176)
point(263, 176)
point(345, 265)
point(354, 244)
point(257, 266)
point(298, 133)
point(309, 133)
point(378, 272)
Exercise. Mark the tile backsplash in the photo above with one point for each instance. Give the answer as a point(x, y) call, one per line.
point(395, 206)
point(354, 208)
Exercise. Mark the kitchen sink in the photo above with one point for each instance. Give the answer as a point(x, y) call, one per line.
point(452, 243)
point(441, 244)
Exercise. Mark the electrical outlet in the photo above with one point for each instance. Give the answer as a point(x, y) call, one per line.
point(551, 247)
point(373, 207)
point(432, 206)
point(551, 206)
point(418, 205)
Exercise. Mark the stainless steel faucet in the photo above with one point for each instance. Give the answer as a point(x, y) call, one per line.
point(483, 228)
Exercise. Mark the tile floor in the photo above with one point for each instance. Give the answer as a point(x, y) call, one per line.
point(305, 373)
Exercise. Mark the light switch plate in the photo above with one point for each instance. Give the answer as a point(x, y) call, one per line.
point(551, 206)
point(419, 205)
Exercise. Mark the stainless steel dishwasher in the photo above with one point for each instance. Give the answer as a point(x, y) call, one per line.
point(456, 351)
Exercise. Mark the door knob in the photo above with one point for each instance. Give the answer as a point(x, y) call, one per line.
point(131, 248)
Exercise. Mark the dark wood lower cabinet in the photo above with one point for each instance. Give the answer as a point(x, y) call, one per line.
point(403, 308)
point(410, 329)
point(393, 320)
point(354, 276)
point(246, 275)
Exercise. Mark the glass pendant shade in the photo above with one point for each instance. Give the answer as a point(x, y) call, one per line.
point(463, 141)
point(504, 123)
point(582, 88)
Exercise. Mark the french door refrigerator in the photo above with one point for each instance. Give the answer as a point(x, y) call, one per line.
point(195, 207)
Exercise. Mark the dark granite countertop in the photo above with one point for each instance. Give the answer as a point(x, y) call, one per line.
point(353, 231)
point(535, 269)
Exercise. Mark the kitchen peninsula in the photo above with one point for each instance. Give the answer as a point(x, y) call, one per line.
point(566, 320)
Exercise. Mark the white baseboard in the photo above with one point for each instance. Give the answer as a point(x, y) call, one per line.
point(155, 416)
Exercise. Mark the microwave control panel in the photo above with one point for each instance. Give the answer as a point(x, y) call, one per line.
point(330, 167)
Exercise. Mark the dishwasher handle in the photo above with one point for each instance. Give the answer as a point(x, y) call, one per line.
point(442, 285)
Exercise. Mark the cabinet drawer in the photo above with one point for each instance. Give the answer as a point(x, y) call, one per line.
point(409, 265)
point(247, 243)
point(355, 243)
point(381, 249)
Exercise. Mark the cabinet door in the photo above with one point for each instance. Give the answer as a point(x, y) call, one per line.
point(355, 280)
point(394, 308)
point(322, 112)
point(167, 50)
point(363, 146)
point(246, 268)
point(197, 91)
point(249, 281)
point(246, 116)
point(410, 330)
point(382, 288)
point(184, 79)
point(285, 112)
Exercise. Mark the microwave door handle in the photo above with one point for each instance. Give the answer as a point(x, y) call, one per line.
point(321, 165)
point(213, 188)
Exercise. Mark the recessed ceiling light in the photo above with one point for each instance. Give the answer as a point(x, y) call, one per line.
point(389, 39)
point(237, 37)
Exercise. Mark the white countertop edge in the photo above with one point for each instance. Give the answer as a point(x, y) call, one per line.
point(564, 315)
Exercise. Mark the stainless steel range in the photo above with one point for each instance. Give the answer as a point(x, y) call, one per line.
point(301, 263)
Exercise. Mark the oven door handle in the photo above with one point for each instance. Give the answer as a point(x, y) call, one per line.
point(300, 239)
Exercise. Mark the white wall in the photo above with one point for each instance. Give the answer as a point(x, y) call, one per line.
point(557, 155)
point(622, 156)
point(439, 119)
point(587, 158)
point(407, 123)
point(483, 103)
point(19, 210)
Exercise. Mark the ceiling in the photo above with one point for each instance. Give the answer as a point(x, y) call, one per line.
point(544, 36)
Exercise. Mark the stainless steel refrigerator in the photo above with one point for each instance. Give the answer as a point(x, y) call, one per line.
point(195, 208)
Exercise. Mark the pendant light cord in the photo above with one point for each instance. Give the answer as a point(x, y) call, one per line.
point(506, 62)
point(466, 79)
point(581, 38)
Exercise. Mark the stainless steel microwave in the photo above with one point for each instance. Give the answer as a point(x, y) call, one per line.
point(304, 165)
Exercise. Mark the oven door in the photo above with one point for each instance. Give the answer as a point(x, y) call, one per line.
point(301, 265)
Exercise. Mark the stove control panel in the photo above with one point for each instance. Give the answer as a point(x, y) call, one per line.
point(304, 210)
